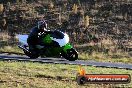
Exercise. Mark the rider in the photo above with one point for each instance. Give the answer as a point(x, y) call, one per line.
point(33, 39)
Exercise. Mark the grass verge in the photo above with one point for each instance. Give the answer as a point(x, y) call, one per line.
point(35, 75)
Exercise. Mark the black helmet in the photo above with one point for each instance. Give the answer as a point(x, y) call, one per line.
point(42, 25)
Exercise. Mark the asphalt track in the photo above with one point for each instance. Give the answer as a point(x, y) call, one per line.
point(64, 61)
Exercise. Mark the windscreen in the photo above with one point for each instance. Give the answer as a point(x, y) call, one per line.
point(57, 34)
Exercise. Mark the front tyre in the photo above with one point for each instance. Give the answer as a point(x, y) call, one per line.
point(71, 55)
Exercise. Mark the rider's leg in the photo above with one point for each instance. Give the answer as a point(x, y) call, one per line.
point(32, 42)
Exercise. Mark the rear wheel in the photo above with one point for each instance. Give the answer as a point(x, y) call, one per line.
point(71, 55)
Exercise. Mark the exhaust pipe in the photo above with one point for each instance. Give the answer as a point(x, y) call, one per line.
point(22, 47)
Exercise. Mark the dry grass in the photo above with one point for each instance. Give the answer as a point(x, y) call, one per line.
point(4, 36)
point(11, 49)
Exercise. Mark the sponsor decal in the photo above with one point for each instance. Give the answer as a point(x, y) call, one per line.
point(83, 78)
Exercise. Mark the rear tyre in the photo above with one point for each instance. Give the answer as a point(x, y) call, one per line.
point(71, 55)
point(31, 55)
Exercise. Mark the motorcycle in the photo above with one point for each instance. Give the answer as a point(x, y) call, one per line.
point(56, 44)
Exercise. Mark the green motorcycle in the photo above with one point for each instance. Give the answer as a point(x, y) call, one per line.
point(56, 44)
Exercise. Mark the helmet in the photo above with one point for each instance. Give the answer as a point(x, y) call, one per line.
point(42, 25)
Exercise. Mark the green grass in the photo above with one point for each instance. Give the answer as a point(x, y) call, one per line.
point(35, 75)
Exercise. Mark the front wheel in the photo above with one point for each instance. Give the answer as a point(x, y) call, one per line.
point(71, 55)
